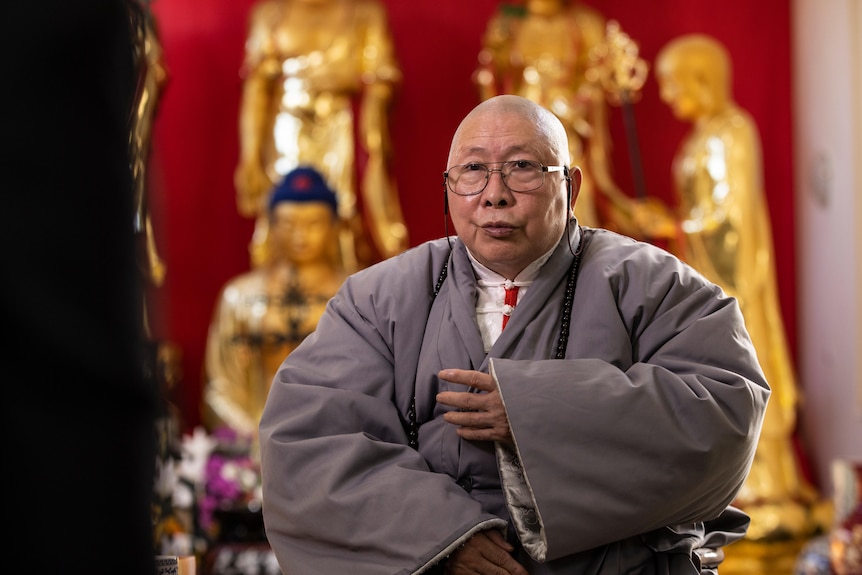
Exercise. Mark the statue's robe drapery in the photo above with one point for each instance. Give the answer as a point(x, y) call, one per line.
point(728, 238)
point(644, 431)
point(259, 318)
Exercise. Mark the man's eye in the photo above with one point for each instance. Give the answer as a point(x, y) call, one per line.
point(473, 167)
point(522, 164)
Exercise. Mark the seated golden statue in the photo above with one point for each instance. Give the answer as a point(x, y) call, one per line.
point(263, 314)
point(724, 227)
point(544, 50)
point(308, 65)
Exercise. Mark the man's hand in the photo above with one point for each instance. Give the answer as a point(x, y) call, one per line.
point(486, 553)
point(480, 416)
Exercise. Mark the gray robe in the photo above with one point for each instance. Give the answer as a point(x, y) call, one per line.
point(628, 452)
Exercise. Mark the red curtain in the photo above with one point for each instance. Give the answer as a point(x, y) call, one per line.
point(204, 240)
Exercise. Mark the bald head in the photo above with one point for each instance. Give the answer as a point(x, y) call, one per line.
point(548, 127)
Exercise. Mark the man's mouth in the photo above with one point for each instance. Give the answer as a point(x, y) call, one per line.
point(498, 229)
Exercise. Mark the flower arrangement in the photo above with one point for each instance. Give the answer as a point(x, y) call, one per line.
point(178, 480)
point(207, 489)
point(231, 478)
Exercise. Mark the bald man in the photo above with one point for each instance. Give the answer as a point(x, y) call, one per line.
point(527, 396)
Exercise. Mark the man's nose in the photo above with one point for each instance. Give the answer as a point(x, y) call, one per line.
point(504, 184)
point(497, 194)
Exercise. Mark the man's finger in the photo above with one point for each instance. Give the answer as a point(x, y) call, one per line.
point(470, 378)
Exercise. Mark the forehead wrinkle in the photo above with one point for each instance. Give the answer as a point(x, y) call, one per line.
point(514, 120)
point(484, 151)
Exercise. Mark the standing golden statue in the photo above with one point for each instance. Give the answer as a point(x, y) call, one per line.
point(309, 64)
point(560, 55)
point(263, 314)
point(724, 226)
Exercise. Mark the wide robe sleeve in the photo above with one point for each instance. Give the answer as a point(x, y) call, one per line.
point(650, 423)
point(334, 451)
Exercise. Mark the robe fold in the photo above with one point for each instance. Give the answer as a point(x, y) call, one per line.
point(627, 452)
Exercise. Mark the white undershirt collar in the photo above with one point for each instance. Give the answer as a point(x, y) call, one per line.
point(491, 294)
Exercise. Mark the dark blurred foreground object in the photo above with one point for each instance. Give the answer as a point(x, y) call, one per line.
point(78, 423)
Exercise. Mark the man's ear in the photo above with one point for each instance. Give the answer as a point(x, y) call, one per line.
point(574, 184)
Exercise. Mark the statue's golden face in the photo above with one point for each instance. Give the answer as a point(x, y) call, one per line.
point(302, 232)
point(679, 90)
point(693, 74)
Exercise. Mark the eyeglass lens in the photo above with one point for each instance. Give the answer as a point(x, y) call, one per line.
point(519, 176)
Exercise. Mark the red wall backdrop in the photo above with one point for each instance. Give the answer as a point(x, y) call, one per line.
point(204, 240)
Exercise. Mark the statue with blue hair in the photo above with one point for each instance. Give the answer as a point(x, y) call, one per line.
point(263, 314)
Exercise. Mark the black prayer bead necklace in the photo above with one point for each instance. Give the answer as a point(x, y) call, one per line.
point(562, 340)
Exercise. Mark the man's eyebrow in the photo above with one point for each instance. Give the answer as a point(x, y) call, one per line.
point(507, 152)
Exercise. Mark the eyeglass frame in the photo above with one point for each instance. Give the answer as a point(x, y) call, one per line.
point(489, 171)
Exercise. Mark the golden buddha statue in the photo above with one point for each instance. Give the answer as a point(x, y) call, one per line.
point(265, 313)
point(545, 50)
point(308, 65)
point(724, 228)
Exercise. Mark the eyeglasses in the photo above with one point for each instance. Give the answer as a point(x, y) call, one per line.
point(518, 175)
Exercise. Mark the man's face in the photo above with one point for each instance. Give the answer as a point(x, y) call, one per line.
point(506, 230)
